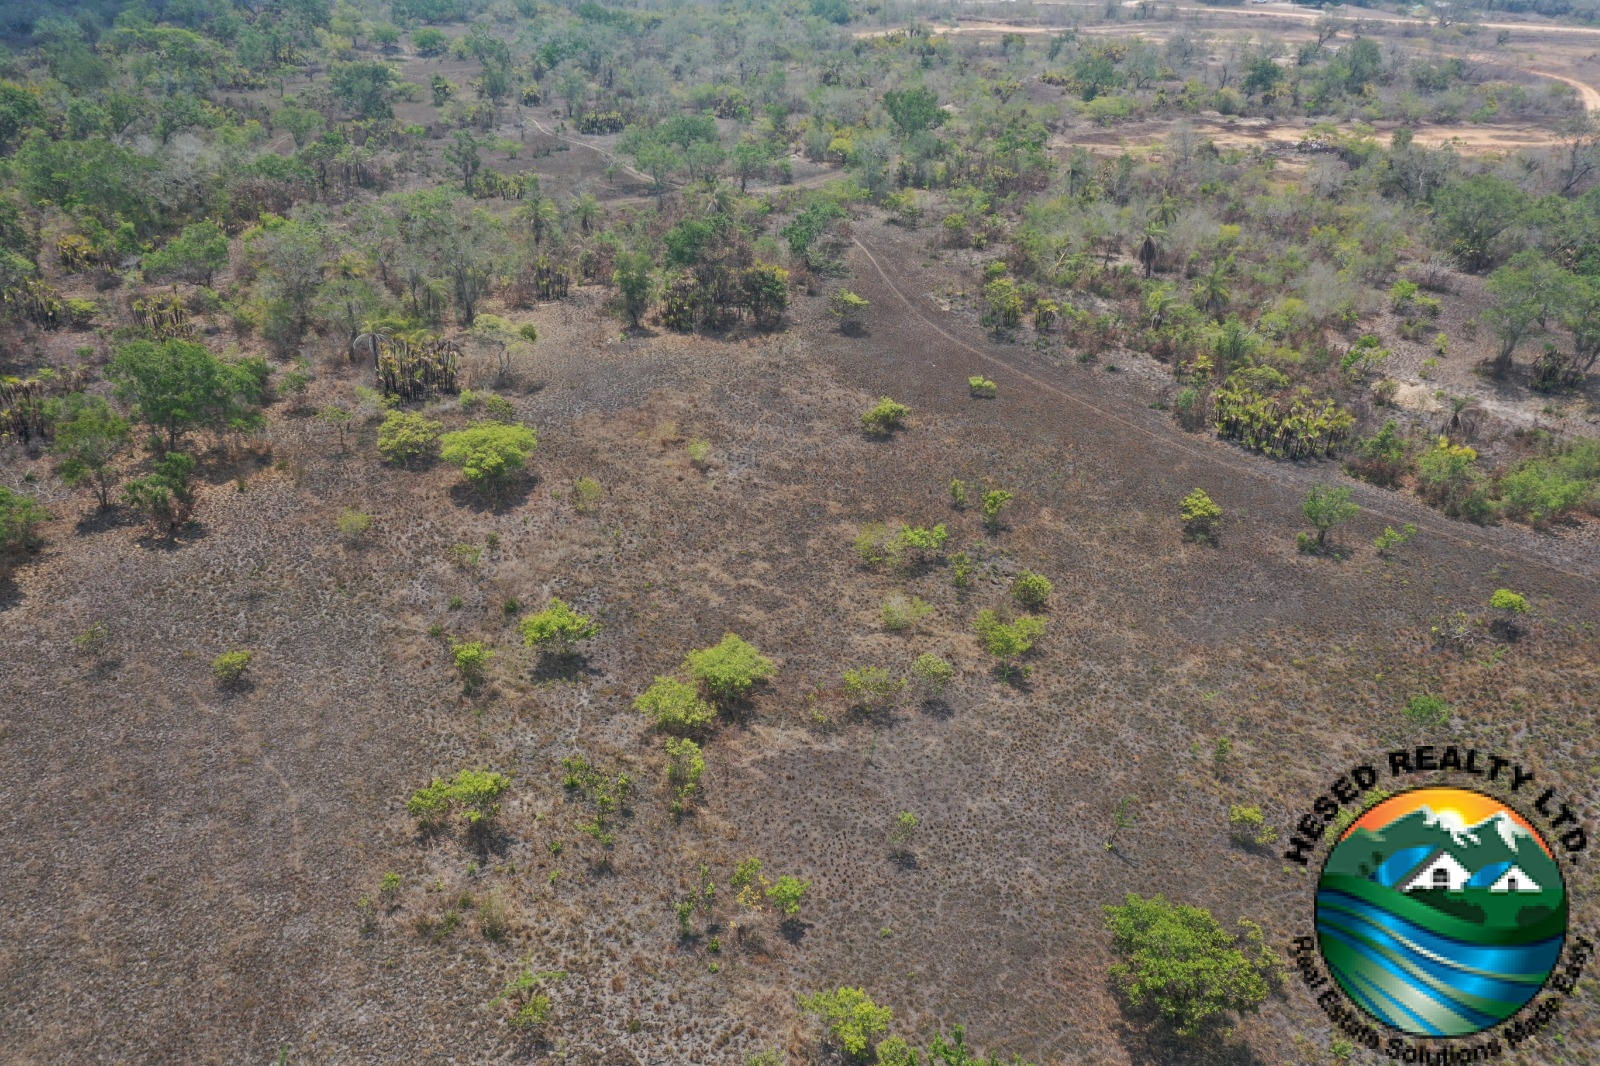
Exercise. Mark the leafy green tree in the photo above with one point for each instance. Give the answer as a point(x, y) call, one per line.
point(475, 794)
point(20, 516)
point(195, 255)
point(490, 454)
point(1383, 458)
point(1200, 515)
point(993, 501)
point(853, 1020)
point(634, 278)
point(177, 386)
point(764, 292)
point(1470, 215)
point(1004, 304)
point(21, 109)
point(1448, 478)
point(787, 893)
point(429, 41)
point(848, 308)
point(89, 438)
point(1325, 507)
point(229, 667)
point(730, 669)
point(405, 437)
point(165, 496)
point(913, 110)
point(932, 674)
point(675, 707)
point(366, 88)
point(557, 628)
point(471, 658)
point(1512, 606)
point(1180, 963)
point(292, 255)
point(1526, 292)
point(1007, 642)
point(462, 153)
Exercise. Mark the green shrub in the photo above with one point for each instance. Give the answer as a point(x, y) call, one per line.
point(698, 451)
point(1179, 962)
point(229, 667)
point(20, 517)
point(902, 829)
point(1383, 458)
point(353, 525)
point(1032, 590)
point(557, 628)
point(166, 495)
point(405, 438)
point(1389, 540)
point(474, 793)
point(685, 765)
point(993, 501)
point(1427, 712)
point(490, 454)
point(961, 570)
point(586, 492)
point(728, 670)
point(471, 658)
point(89, 436)
point(786, 894)
point(1448, 478)
point(1247, 825)
point(1200, 515)
point(848, 308)
point(675, 707)
point(981, 387)
point(853, 1020)
point(886, 417)
point(1545, 489)
point(1007, 642)
point(871, 688)
point(932, 674)
point(958, 493)
point(900, 613)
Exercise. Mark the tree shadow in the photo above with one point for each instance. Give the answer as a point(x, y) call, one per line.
point(793, 930)
point(191, 533)
point(102, 519)
point(938, 708)
point(1149, 1043)
point(905, 859)
point(239, 686)
point(573, 667)
point(493, 501)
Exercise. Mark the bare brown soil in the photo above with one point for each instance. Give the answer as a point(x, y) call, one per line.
point(184, 862)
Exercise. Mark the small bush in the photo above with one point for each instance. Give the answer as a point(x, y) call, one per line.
point(871, 688)
point(1448, 478)
point(1007, 642)
point(557, 628)
point(886, 417)
point(20, 516)
point(471, 658)
point(848, 308)
point(1383, 458)
point(685, 765)
point(730, 669)
point(353, 526)
point(961, 570)
point(230, 666)
point(1511, 605)
point(1200, 515)
point(786, 894)
point(1032, 590)
point(1389, 540)
point(586, 492)
point(1427, 712)
point(675, 707)
point(490, 454)
point(981, 387)
point(1326, 507)
point(698, 450)
point(1248, 826)
point(900, 613)
point(932, 674)
point(405, 438)
point(993, 501)
point(475, 794)
point(958, 493)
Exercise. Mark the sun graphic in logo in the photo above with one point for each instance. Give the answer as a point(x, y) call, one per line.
point(1441, 912)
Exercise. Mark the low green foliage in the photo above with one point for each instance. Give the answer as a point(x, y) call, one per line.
point(474, 794)
point(1247, 825)
point(165, 496)
point(1389, 540)
point(557, 628)
point(1200, 515)
point(606, 793)
point(1448, 478)
point(932, 674)
point(1548, 488)
point(787, 893)
point(405, 438)
point(490, 454)
point(872, 688)
point(958, 493)
point(853, 1020)
point(1007, 642)
point(530, 1007)
point(471, 659)
point(698, 451)
point(1506, 600)
point(675, 707)
point(1031, 590)
point(586, 492)
point(993, 501)
point(900, 613)
point(1383, 458)
point(230, 666)
point(1180, 963)
point(353, 525)
point(885, 417)
point(728, 670)
point(20, 516)
point(685, 765)
point(961, 569)
point(1426, 711)
point(848, 308)
point(903, 829)
point(981, 387)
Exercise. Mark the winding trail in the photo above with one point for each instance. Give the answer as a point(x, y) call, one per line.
point(1291, 478)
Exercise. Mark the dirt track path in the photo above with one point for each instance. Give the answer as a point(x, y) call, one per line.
point(1124, 429)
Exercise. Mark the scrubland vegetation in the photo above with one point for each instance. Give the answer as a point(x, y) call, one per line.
point(730, 532)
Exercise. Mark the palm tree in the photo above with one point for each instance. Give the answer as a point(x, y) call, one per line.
point(1211, 292)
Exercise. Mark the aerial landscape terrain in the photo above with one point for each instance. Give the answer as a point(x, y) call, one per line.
point(769, 532)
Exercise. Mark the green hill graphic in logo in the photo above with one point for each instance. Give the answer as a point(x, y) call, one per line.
point(1441, 912)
